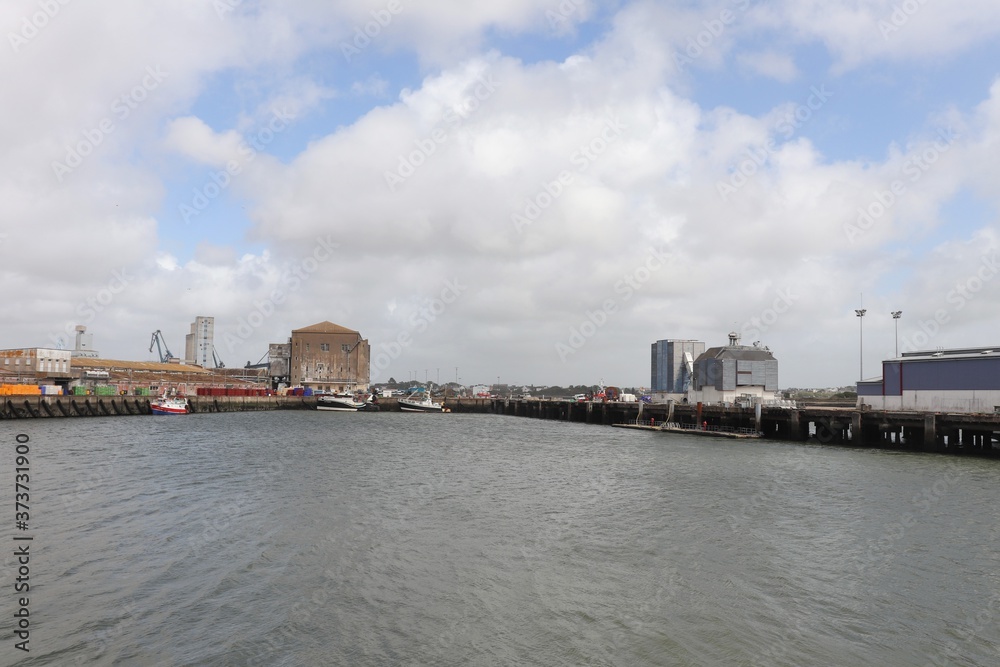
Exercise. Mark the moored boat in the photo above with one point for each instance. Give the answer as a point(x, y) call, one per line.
point(169, 405)
point(419, 402)
point(340, 403)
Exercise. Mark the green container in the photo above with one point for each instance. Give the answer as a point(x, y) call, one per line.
point(79, 391)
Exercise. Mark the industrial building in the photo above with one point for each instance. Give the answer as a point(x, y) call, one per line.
point(39, 365)
point(84, 343)
point(672, 365)
point(199, 345)
point(329, 357)
point(735, 374)
point(963, 380)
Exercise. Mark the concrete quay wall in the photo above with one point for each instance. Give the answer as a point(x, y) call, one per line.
point(29, 407)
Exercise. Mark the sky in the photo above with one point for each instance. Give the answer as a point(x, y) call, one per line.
point(529, 192)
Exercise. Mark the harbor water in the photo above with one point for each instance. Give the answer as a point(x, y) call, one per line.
point(316, 538)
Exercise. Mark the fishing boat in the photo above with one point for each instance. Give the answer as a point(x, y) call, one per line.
point(342, 402)
point(169, 405)
point(419, 401)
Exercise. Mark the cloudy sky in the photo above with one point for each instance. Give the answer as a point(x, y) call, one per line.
point(530, 190)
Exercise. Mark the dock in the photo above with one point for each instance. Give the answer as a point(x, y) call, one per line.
point(954, 433)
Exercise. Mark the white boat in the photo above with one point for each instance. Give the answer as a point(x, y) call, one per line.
point(169, 405)
point(340, 403)
point(419, 402)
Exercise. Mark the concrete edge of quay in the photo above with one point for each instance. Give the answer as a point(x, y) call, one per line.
point(34, 406)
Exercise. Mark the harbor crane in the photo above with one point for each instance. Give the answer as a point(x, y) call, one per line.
point(163, 351)
point(216, 359)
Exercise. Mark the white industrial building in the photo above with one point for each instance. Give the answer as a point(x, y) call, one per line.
point(199, 345)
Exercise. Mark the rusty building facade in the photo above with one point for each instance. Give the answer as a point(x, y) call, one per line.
point(329, 357)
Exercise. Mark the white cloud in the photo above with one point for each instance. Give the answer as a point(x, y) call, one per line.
point(776, 66)
point(607, 145)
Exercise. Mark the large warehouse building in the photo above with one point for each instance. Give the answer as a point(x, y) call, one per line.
point(962, 380)
point(735, 374)
point(329, 357)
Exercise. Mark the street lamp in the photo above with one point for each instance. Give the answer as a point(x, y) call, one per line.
point(895, 318)
point(860, 312)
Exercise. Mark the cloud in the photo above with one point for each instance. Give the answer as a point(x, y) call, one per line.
point(542, 186)
point(780, 67)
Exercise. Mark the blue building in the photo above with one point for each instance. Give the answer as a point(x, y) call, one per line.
point(672, 365)
point(960, 380)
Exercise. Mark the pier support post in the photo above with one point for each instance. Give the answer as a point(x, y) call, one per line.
point(857, 438)
point(930, 434)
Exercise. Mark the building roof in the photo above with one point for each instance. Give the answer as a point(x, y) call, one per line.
point(148, 366)
point(738, 352)
point(966, 353)
point(325, 328)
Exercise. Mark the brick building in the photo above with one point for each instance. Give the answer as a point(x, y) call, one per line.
point(329, 357)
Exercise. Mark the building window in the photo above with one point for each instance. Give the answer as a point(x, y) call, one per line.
point(324, 347)
point(345, 347)
point(307, 347)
